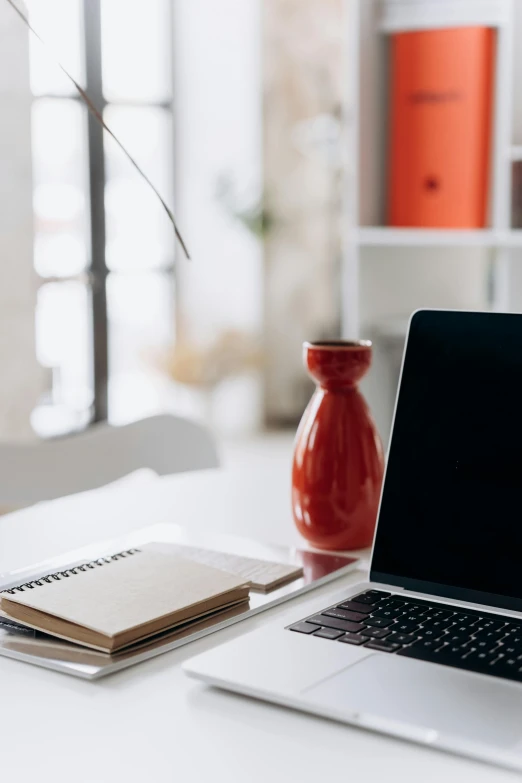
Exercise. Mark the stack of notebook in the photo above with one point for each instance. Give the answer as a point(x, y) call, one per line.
point(117, 602)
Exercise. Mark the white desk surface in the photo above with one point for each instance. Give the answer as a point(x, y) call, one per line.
point(151, 723)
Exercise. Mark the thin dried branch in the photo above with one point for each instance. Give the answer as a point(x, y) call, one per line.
point(97, 114)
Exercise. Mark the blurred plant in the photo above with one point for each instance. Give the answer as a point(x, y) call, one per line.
point(251, 211)
point(204, 367)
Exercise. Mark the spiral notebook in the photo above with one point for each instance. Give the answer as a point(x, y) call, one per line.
point(113, 602)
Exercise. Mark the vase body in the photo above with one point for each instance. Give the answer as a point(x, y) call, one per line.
point(338, 460)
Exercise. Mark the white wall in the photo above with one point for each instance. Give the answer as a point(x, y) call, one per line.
point(21, 377)
point(218, 128)
point(517, 72)
point(218, 110)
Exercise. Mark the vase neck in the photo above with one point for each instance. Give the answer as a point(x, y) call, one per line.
point(337, 367)
point(339, 387)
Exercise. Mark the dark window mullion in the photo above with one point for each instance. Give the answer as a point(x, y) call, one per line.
point(93, 72)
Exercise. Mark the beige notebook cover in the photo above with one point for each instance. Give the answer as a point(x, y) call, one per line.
point(117, 601)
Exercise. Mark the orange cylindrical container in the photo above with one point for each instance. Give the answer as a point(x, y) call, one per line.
point(439, 146)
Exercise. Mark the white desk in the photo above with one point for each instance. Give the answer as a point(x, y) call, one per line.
point(151, 723)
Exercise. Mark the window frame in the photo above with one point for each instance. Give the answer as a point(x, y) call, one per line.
point(97, 271)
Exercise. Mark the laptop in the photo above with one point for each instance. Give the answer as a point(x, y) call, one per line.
point(430, 649)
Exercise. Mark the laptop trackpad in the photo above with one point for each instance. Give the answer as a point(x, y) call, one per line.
point(437, 698)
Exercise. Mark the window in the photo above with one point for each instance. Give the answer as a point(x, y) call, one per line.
point(103, 247)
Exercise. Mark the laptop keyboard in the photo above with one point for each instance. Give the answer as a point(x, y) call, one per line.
point(439, 633)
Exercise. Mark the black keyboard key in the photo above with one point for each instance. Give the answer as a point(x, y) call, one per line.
point(352, 638)
point(453, 656)
point(328, 633)
point(402, 627)
point(353, 607)
point(514, 639)
point(490, 636)
point(483, 644)
point(417, 612)
point(482, 658)
point(432, 633)
point(423, 651)
point(378, 593)
point(382, 605)
point(459, 628)
point(492, 625)
point(453, 649)
point(437, 624)
point(507, 641)
point(402, 638)
point(511, 650)
point(469, 660)
point(467, 620)
point(457, 638)
point(428, 645)
point(425, 618)
point(345, 614)
point(304, 627)
point(507, 667)
point(332, 622)
point(378, 622)
point(441, 614)
point(375, 633)
point(431, 651)
point(382, 646)
point(366, 598)
point(497, 657)
point(388, 614)
point(410, 617)
point(393, 604)
point(514, 630)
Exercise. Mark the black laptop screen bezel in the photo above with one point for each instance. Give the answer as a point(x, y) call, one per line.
point(436, 588)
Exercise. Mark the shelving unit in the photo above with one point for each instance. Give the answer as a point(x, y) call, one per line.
point(499, 238)
point(381, 236)
point(366, 72)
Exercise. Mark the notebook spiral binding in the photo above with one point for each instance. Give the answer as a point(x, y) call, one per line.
point(59, 575)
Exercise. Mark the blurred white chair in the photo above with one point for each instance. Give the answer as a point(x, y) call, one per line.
point(30, 472)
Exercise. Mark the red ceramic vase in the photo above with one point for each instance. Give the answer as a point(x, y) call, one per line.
point(338, 460)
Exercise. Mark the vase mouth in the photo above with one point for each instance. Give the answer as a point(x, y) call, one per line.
point(336, 345)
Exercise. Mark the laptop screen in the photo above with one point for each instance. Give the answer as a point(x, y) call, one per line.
point(450, 521)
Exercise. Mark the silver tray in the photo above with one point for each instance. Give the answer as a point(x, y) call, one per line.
point(40, 650)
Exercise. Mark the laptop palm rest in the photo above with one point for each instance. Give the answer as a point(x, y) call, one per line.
point(439, 699)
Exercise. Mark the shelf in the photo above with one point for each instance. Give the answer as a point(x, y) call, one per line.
point(382, 236)
point(404, 16)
